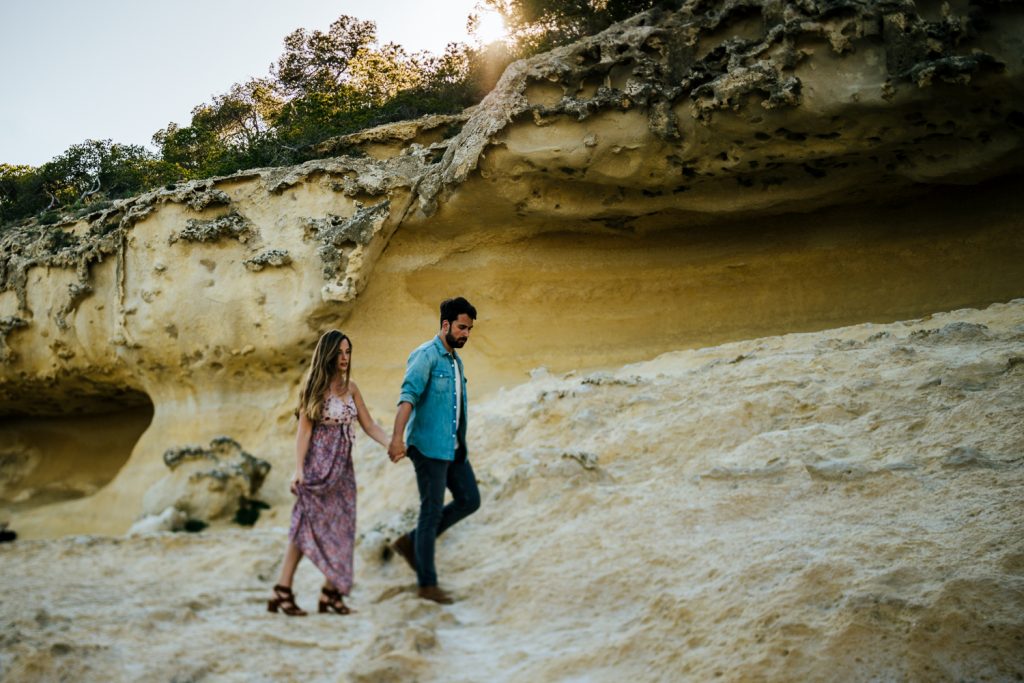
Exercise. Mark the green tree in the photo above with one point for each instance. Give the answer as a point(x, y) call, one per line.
point(305, 121)
point(324, 84)
point(21, 192)
point(447, 83)
point(86, 172)
point(318, 62)
point(233, 131)
point(379, 75)
point(103, 168)
point(341, 82)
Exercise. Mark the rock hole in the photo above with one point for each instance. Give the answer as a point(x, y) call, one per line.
point(544, 94)
point(69, 447)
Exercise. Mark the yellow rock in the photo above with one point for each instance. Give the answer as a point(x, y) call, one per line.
point(654, 188)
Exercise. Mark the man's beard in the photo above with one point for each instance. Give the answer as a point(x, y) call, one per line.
point(453, 342)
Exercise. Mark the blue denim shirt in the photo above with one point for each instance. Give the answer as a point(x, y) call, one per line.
point(429, 385)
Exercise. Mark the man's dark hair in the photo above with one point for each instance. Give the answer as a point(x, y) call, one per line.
point(453, 308)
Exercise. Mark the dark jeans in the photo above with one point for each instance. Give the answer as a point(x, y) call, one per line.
point(432, 477)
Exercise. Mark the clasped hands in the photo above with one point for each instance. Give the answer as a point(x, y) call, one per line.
point(396, 451)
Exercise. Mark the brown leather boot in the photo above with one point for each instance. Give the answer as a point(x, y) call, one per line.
point(435, 593)
point(403, 547)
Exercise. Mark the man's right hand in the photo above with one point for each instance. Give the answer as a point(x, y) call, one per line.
point(396, 451)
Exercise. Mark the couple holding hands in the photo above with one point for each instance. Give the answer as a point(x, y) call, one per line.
point(430, 428)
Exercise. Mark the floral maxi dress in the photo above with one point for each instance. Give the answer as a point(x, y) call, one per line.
point(324, 517)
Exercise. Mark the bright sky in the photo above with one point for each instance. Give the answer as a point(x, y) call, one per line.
point(122, 69)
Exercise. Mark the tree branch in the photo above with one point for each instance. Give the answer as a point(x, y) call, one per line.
point(93, 190)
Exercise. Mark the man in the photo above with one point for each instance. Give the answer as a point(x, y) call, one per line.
point(433, 404)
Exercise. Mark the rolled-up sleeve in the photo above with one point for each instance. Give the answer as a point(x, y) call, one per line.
point(417, 373)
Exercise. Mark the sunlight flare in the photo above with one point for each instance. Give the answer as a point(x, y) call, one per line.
point(488, 26)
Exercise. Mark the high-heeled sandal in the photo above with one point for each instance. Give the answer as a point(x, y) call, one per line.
point(335, 602)
point(284, 600)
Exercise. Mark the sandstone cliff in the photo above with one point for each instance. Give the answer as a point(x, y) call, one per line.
point(683, 478)
point(721, 172)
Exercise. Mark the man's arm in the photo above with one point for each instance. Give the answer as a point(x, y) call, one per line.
point(396, 451)
point(417, 374)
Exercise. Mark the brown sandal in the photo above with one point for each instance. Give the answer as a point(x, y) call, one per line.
point(284, 600)
point(335, 602)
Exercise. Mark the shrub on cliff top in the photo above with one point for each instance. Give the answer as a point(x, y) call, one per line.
point(325, 84)
point(91, 171)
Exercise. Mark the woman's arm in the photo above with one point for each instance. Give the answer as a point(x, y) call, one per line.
point(372, 429)
point(302, 436)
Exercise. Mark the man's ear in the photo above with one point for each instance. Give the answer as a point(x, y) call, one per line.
point(446, 326)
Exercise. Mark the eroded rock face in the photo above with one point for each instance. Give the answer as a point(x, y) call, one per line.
point(749, 106)
point(682, 179)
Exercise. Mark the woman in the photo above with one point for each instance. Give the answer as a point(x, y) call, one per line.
point(324, 518)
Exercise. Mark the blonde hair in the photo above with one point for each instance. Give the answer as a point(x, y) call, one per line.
point(322, 369)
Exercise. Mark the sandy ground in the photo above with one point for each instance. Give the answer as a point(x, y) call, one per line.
point(832, 506)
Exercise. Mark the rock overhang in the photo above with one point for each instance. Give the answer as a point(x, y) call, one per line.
point(710, 123)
